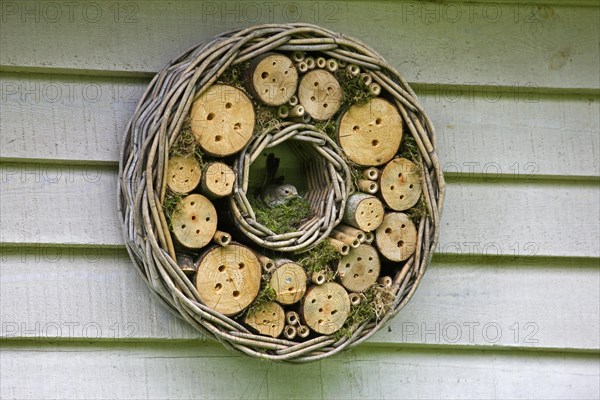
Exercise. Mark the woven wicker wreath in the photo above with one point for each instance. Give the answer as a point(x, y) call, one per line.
point(298, 266)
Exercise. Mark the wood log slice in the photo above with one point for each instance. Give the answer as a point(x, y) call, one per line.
point(222, 120)
point(321, 94)
point(272, 78)
point(222, 238)
point(290, 332)
point(400, 184)
point(396, 238)
point(268, 319)
point(194, 221)
point(217, 180)
point(228, 278)
point(289, 282)
point(364, 211)
point(339, 246)
point(370, 133)
point(359, 269)
point(186, 262)
point(325, 308)
point(183, 174)
point(303, 331)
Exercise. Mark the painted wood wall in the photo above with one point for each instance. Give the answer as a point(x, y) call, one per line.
point(510, 305)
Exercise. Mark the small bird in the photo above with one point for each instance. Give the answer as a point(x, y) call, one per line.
point(274, 192)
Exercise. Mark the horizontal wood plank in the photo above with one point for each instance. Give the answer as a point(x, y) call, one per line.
point(521, 135)
point(208, 372)
point(71, 204)
point(430, 42)
point(72, 294)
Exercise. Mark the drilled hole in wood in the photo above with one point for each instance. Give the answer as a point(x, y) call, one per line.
point(329, 297)
point(401, 196)
point(313, 98)
point(207, 219)
point(320, 321)
point(324, 105)
point(218, 138)
point(334, 312)
point(316, 83)
point(355, 128)
point(236, 293)
point(192, 203)
point(227, 105)
point(313, 301)
point(400, 243)
point(375, 142)
point(400, 175)
point(410, 186)
point(218, 286)
point(402, 226)
point(237, 126)
point(320, 310)
point(210, 116)
point(359, 259)
point(241, 265)
point(221, 268)
point(355, 276)
point(291, 289)
point(388, 230)
point(182, 226)
point(264, 75)
point(370, 271)
point(197, 231)
point(378, 121)
point(193, 217)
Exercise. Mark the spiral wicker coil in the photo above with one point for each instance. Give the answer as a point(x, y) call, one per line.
point(156, 124)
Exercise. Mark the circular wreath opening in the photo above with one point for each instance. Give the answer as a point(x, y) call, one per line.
point(318, 300)
point(327, 180)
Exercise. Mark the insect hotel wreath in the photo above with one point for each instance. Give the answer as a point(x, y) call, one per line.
point(280, 190)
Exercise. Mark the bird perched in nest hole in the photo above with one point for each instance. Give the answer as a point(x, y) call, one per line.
point(274, 192)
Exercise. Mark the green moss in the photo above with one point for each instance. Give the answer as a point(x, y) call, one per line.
point(375, 302)
point(282, 218)
point(234, 75)
point(419, 210)
point(329, 127)
point(171, 205)
point(355, 90)
point(409, 149)
point(265, 295)
point(186, 145)
point(320, 258)
point(265, 117)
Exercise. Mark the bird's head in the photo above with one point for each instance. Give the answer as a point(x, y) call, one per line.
point(287, 192)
